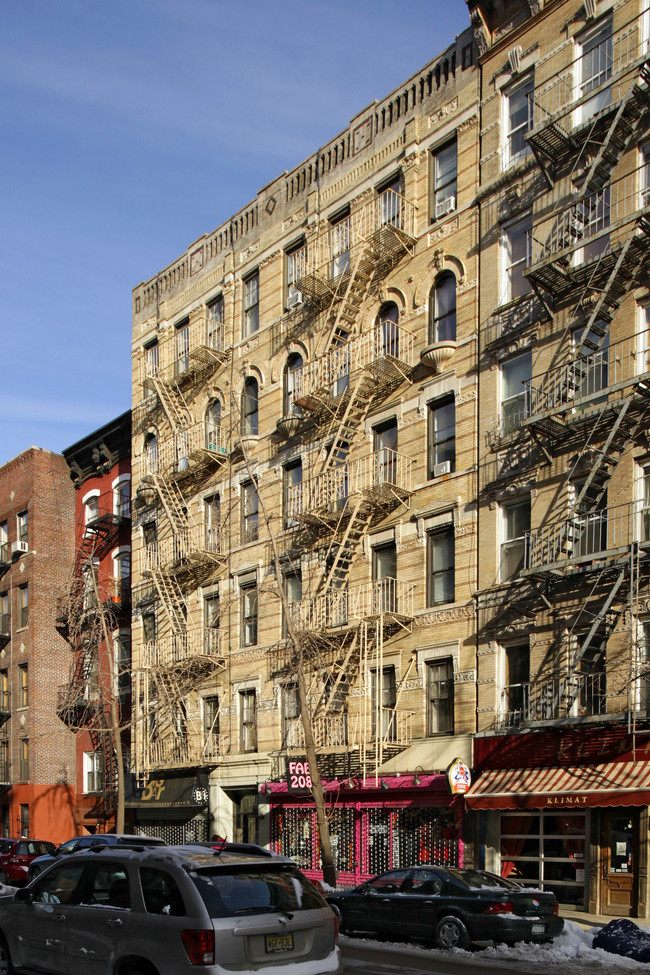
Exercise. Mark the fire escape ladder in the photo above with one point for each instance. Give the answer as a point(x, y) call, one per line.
point(622, 132)
point(173, 504)
point(622, 277)
point(173, 403)
point(171, 597)
point(344, 428)
point(601, 627)
point(344, 311)
point(595, 484)
point(345, 549)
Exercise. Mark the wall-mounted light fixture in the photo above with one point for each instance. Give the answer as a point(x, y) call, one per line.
point(384, 785)
point(416, 778)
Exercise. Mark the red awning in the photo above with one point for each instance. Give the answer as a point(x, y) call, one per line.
point(612, 784)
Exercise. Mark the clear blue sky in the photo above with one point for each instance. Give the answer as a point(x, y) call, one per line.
point(129, 129)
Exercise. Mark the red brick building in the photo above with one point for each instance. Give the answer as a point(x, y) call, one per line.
point(95, 617)
point(37, 751)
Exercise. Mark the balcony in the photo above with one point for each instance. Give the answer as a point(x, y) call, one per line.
point(386, 224)
point(181, 648)
point(193, 546)
point(566, 113)
point(383, 478)
point(74, 705)
point(181, 750)
point(574, 697)
point(330, 732)
point(587, 540)
point(342, 731)
point(578, 246)
point(386, 599)
point(192, 452)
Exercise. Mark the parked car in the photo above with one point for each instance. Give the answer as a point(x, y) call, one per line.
point(168, 909)
point(16, 857)
point(451, 907)
point(80, 843)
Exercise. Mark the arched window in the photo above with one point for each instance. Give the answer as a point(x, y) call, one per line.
point(292, 377)
point(249, 407)
point(213, 426)
point(442, 309)
point(151, 453)
point(388, 330)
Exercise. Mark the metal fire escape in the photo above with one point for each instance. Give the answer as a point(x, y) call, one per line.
point(341, 629)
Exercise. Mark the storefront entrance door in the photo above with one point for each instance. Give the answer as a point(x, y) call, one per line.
point(619, 851)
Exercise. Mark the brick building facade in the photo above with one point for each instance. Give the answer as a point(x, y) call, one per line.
point(37, 753)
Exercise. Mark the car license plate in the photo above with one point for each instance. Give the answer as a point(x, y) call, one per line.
point(279, 942)
point(539, 928)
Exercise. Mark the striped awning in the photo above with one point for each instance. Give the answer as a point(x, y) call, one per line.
point(611, 784)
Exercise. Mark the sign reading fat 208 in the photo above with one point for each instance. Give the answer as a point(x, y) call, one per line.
point(298, 777)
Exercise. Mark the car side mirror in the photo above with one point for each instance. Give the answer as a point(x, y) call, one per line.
point(23, 895)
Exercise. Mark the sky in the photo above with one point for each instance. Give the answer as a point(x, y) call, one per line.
point(131, 128)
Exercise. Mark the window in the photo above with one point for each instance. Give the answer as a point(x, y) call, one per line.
point(645, 508)
point(384, 697)
point(515, 255)
point(390, 203)
point(293, 593)
point(593, 215)
point(248, 717)
point(546, 850)
point(151, 362)
point(4, 692)
point(590, 368)
point(21, 526)
point(4, 762)
point(24, 818)
point(249, 612)
point(443, 175)
point(292, 493)
point(91, 508)
point(341, 239)
point(23, 606)
point(5, 622)
point(250, 512)
point(215, 332)
point(384, 577)
point(23, 686)
point(4, 542)
point(588, 522)
point(441, 452)
point(249, 408)
point(150, 453)
point(213, 427)
point(148, 628)
point(440, 697)
point(594, 65)
point(515, 518)
point(643, 663)
point(92, 772)
point(212, 517)
point(387, 330)
point(122, 575)
point(441, 557)
point(467, 58)
point(23, 760)
point(339, 363)
point(518, 106)
point(442, 309)
point(150, 538)
point(122, 661)
point(517, 686)
point(122, 498)
point(182, 338)
point(212, 620)
point(211, 723)
point(291, 725)
point(292, 385)
point(89, 574)
point(251, 304)
point(384, 442)
point(295, 264)
point(515, 397)
point(644, 177)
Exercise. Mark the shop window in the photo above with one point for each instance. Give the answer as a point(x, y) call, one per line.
point(248, 720)
point(515, 523)
point(546, 850)
point(440, 697)
point(441, 453)
point(441, 559)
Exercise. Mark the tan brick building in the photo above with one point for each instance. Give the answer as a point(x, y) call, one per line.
point(37, 753)
point(305, 410)
point(563, 624)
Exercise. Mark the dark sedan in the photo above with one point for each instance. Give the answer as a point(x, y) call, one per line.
point(450, 907)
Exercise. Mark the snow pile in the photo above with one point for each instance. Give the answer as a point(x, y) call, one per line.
point(573, 945)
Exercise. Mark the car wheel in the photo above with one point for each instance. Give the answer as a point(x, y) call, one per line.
point(452, 933)
point(6, 968)
point(343, 928)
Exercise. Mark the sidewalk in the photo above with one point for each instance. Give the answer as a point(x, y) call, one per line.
point(587, 921)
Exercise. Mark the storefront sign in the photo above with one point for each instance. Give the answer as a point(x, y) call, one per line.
point(459, 777)
point(566, 800)
point(298, 775)
point(190, 792)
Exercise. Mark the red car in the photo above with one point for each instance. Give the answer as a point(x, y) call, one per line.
point(16, 856)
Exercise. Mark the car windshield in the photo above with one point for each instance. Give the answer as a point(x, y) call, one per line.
point(252, 890)
point(479, 880)
point(68, 847)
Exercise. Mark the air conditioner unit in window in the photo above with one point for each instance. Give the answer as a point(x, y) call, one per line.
point(294, 299)
point(445, 206)
point(19, 548)
point(440, 469)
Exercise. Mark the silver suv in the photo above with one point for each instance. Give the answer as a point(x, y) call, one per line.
point(168, 910)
